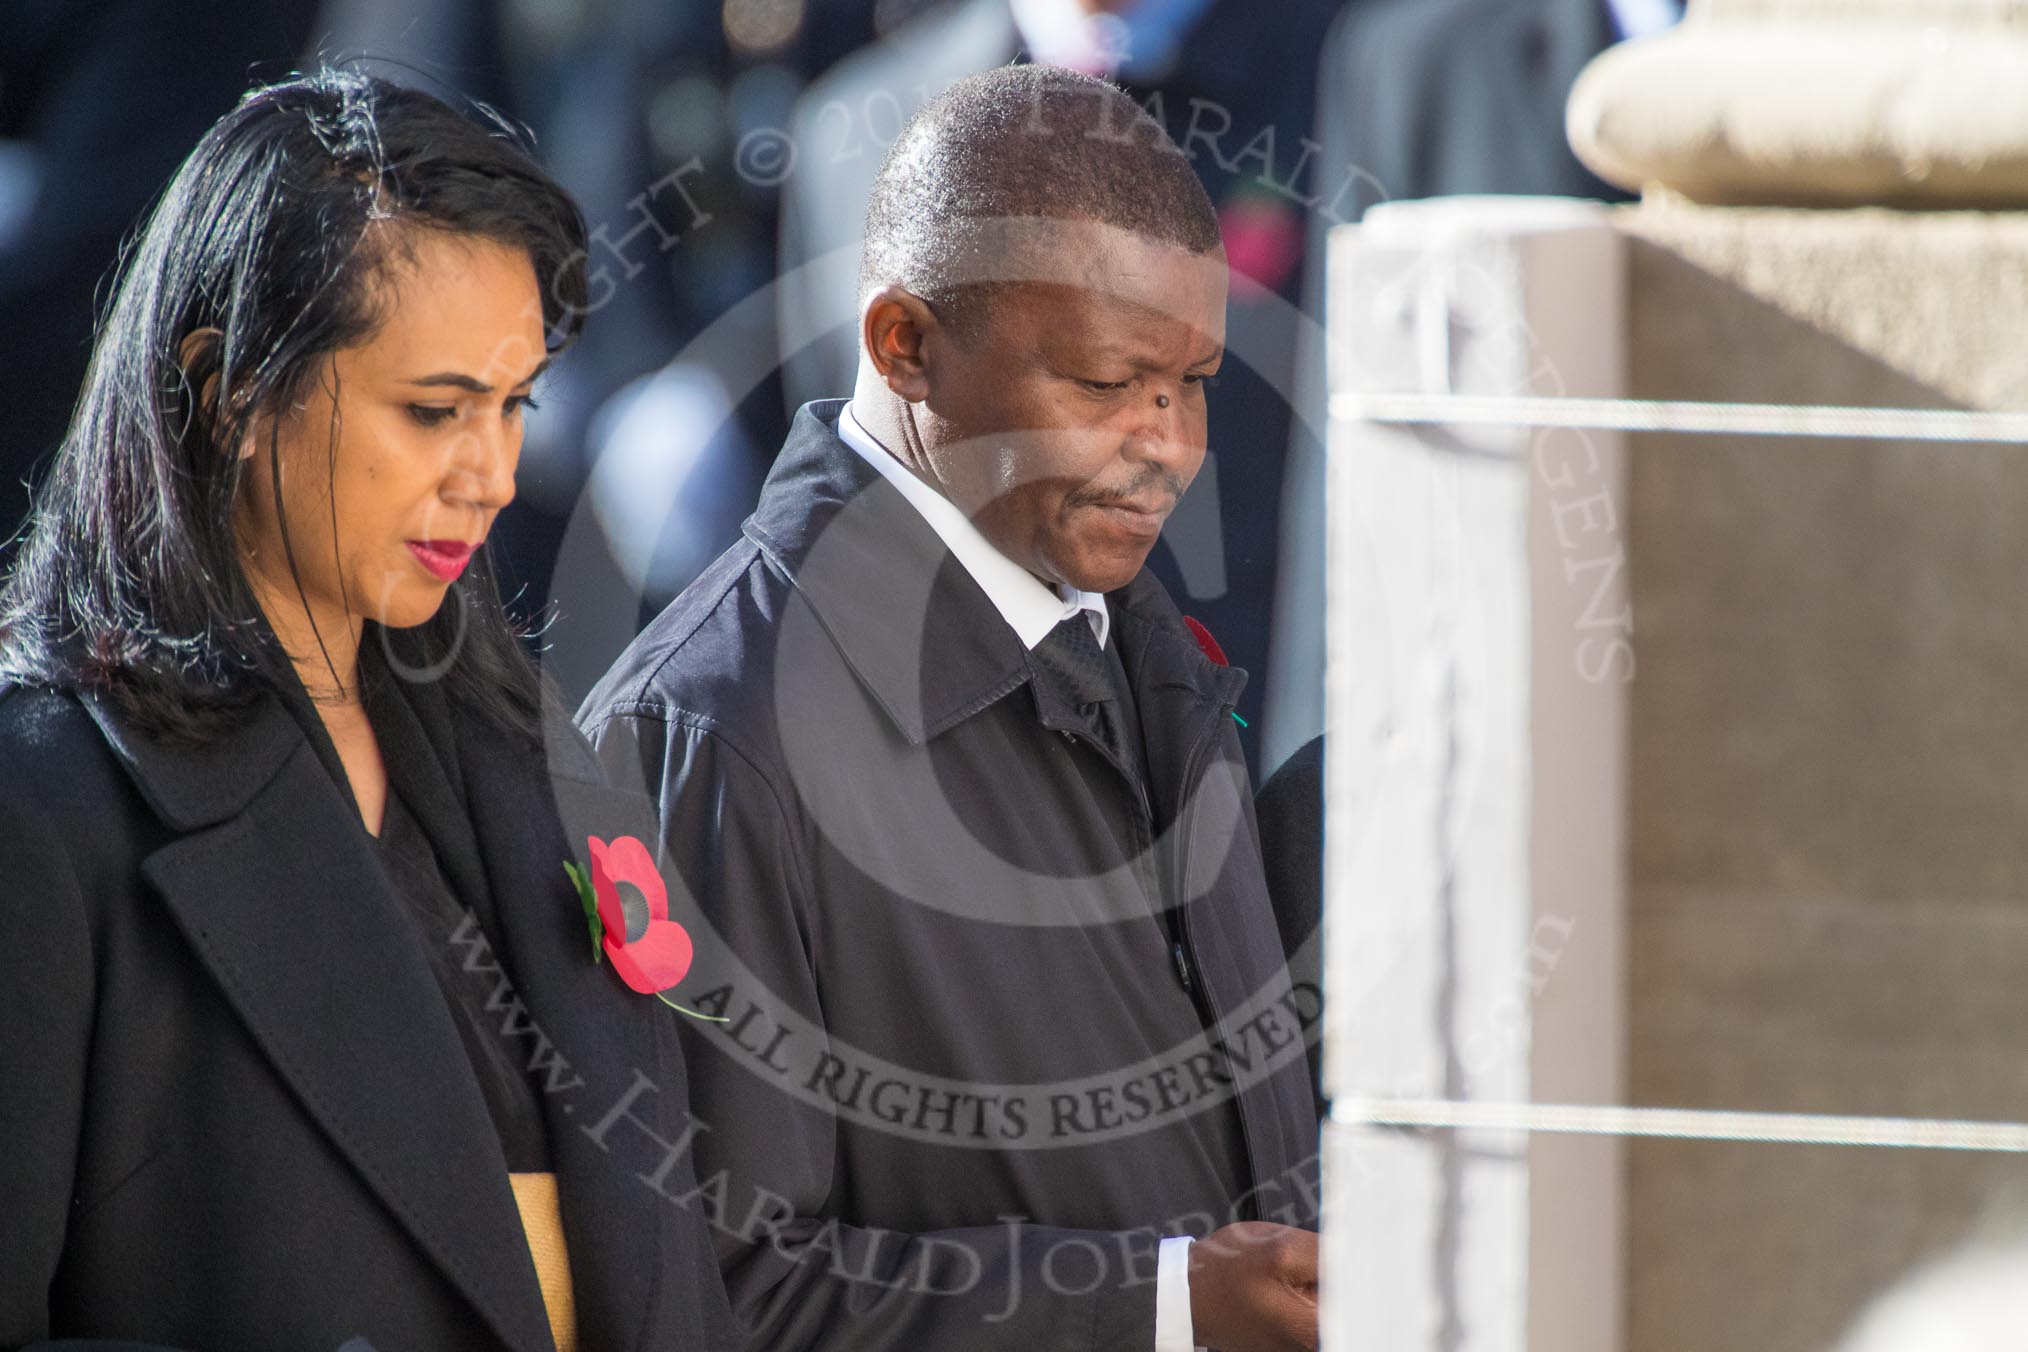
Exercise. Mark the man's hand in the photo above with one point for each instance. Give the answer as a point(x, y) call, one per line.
point(1253, 1288)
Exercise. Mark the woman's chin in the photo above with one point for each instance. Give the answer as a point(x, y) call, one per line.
point(411, 605)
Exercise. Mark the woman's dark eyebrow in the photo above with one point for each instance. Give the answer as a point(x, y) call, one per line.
point(459, 380)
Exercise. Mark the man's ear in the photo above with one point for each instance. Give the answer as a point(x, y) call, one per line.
point(894, 326)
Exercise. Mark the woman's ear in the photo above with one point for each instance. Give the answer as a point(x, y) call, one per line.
point(200, 356)
point(893, 327)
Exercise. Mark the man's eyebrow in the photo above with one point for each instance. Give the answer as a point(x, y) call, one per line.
point(458, 380)
point(1211, 358)
point(1146, 363)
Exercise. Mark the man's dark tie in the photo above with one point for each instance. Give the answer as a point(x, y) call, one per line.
point(1071, 658)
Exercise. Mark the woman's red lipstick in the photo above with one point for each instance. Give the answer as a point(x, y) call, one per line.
point(445, 559)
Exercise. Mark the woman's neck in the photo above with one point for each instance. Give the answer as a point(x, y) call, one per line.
point(324, 649)
point(325, 653)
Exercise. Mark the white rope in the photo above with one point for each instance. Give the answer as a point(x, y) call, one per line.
point(1688, 1124)
point(1638, 415)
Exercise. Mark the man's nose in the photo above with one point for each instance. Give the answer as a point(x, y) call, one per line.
point(1165, 433)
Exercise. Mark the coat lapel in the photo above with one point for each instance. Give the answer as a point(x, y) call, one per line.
point(275, 884)
point(909, 620)
point(642, 1268)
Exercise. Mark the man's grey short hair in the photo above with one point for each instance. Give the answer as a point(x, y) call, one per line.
point(1019, 143)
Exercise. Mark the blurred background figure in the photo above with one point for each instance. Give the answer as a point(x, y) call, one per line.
point(639, 106)
point(1429, 98)
point(99, 101)
point(1436, 98)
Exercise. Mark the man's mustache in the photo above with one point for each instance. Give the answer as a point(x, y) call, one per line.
point(1153, 490)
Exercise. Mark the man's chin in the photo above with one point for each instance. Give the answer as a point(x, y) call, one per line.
point(1104, 573)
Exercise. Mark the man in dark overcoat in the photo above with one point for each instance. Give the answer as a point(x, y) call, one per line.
point(990, 1018)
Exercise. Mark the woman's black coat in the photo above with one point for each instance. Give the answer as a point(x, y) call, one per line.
point(234, 1109)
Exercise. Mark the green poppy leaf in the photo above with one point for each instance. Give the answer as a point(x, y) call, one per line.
point(588, 897)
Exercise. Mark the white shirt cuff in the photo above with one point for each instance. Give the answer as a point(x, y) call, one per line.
point(1173, 1329)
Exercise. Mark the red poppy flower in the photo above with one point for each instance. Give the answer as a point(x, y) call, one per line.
point(658, 956)
point(1208, 645)
point(1205, 643)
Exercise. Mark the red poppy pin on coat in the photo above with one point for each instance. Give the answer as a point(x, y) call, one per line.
point(1208, 645)
point(652, 955)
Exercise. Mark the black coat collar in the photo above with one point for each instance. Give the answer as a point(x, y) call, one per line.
point(916, 630)
point(194, 786)
point(275, 882)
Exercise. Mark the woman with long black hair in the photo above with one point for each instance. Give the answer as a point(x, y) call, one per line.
point(301, 1039)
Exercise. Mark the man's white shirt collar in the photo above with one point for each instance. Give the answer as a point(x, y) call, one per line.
point(1024, 602)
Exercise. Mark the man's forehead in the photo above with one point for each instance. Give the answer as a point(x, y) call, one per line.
point(1068, 316)
point(1101, 260)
